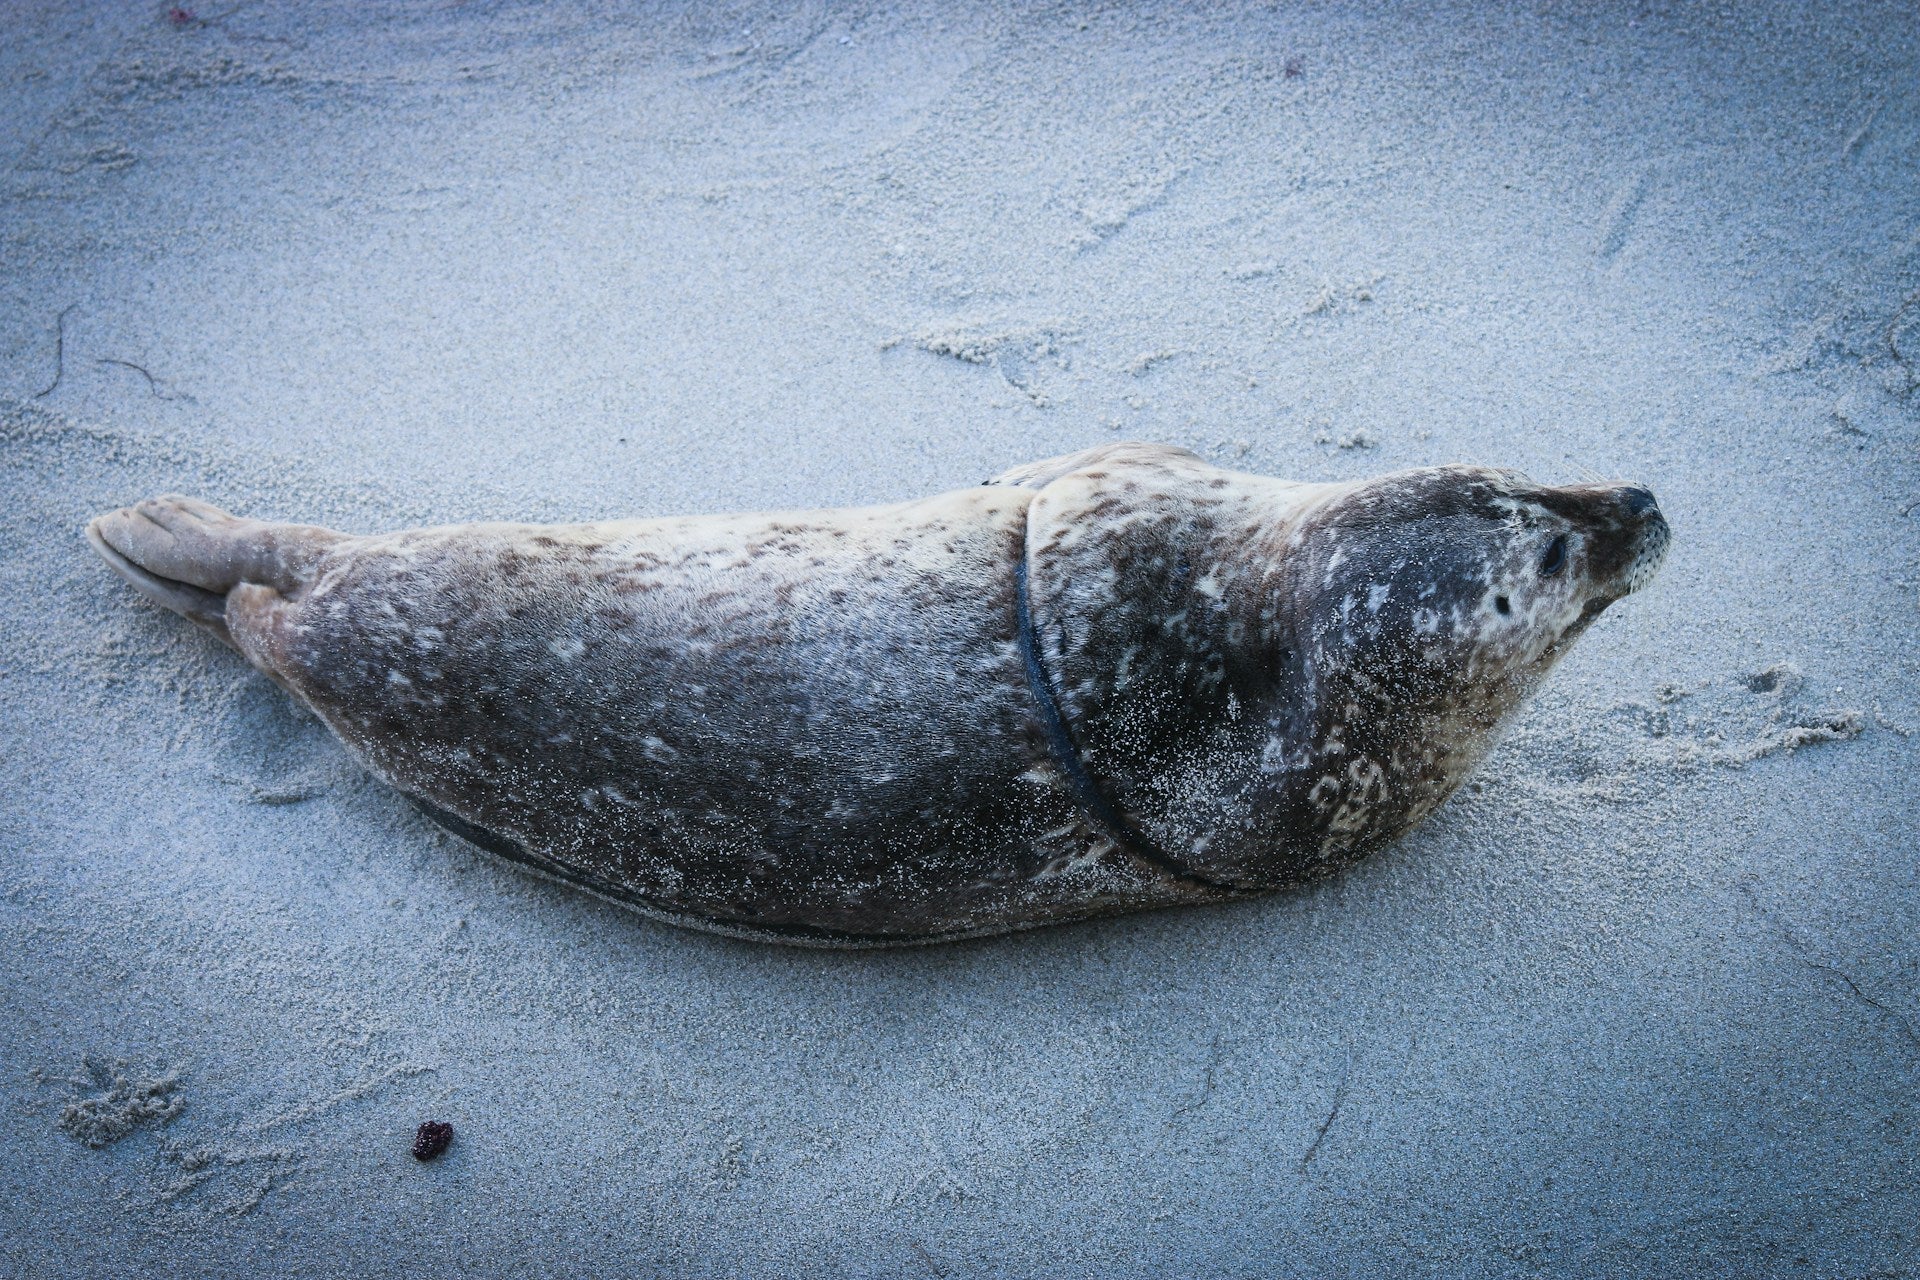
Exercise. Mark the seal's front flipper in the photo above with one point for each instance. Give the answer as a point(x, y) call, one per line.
point(188, 555)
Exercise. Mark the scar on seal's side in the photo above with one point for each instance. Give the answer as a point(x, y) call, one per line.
point(1119, 679)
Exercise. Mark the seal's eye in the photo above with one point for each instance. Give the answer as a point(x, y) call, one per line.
point(1556, 557)
point(1503, 604)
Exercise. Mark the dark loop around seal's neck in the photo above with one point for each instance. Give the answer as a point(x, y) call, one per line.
point(1112, 823)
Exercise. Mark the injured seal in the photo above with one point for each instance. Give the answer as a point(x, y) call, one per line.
point(1120, 679)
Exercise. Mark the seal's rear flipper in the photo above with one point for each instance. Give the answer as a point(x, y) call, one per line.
point(188, 555)
point(185, 599)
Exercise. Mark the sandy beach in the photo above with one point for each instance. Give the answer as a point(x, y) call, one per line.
point(1641, 1000)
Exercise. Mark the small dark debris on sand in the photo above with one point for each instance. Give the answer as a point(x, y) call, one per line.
point(432, 1139)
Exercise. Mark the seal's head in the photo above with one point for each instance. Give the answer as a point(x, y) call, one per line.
point(1449, 578)
point(1425, 606)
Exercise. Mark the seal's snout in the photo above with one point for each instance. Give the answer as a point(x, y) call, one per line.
point(1623, 535)
point(1638, 500)
point(1642, 536)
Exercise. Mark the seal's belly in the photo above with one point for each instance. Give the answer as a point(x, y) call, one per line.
point(816, 720)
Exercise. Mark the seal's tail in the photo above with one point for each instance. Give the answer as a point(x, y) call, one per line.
point(190, 556)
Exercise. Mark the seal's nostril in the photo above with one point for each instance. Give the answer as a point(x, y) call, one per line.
point(1638, 500)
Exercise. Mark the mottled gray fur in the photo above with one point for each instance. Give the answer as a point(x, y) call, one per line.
point(821, 727)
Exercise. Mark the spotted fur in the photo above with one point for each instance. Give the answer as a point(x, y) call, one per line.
point(819, 727)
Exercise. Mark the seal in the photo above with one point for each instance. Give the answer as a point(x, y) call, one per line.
point(1120, 679)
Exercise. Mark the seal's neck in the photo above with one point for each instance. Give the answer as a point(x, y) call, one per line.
point(1156, 610)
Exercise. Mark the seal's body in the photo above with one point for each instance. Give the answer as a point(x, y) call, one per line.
point(1120, 679)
